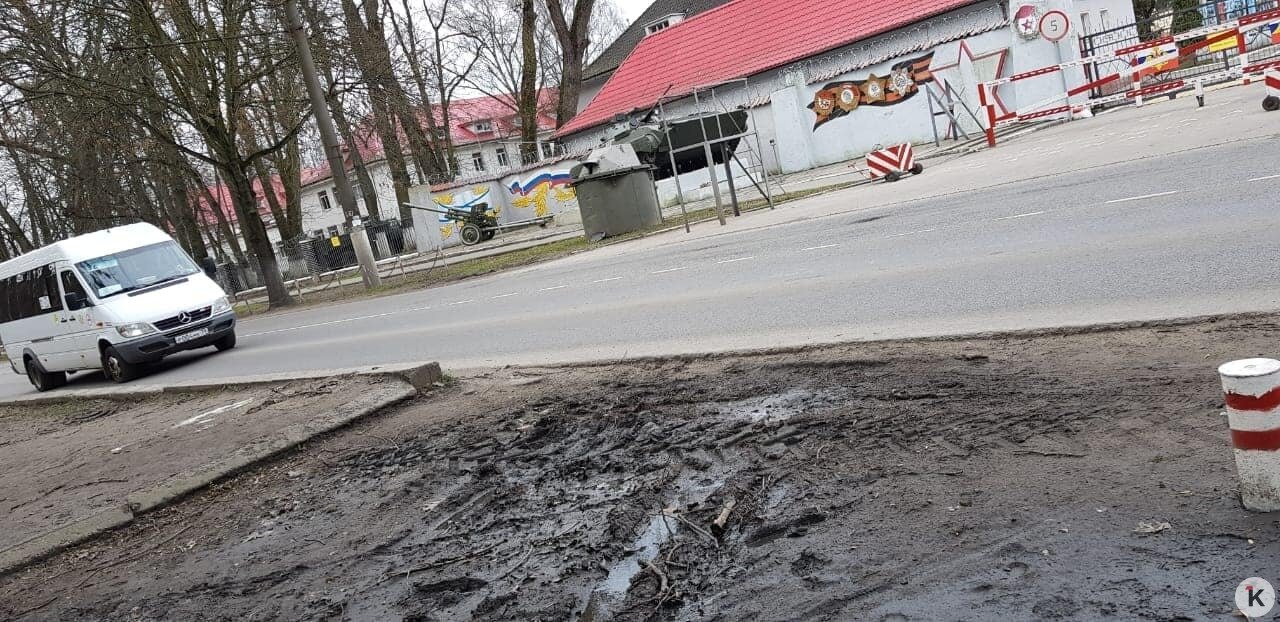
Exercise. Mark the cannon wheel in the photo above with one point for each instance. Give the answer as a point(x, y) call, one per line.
point(471, 234)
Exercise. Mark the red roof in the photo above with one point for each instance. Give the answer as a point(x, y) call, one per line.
point(741, 39)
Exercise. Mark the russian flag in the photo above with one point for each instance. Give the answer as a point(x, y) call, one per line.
point(1154, 54)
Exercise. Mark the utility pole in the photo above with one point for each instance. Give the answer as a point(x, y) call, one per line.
point(332, 148)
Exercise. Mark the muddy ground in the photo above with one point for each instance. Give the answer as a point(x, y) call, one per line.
point(1000, 478)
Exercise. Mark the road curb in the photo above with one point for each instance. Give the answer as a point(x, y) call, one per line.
point(420, 375)
point(176, 488)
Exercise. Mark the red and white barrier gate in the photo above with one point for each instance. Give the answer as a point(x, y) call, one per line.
point(893, 162)
point(1252, 388)
point(1153, 63)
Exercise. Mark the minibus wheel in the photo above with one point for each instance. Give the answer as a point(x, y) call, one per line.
point(116, 368)
point(41, 379)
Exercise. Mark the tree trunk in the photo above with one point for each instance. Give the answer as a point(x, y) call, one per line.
point(574, 39)
point(570, 86)
point(255, 234)
point(395, 154)
point(367, 190)
point(273, 201)
point(528, 83)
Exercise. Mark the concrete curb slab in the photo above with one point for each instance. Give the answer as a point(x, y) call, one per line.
point(419, 375)
point(408, 381)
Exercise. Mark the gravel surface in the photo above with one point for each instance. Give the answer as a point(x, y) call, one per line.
point(1011, 477)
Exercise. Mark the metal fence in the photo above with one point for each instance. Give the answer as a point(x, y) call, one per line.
point(317, 258)
point(1203, 62)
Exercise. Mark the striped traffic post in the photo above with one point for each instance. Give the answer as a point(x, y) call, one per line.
point(1252, 388)
point(1271, 102)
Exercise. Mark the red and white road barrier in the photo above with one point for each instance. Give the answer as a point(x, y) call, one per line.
point(1252, 388)
point(896, 159)
point(1271, 102)
point(1208, 36)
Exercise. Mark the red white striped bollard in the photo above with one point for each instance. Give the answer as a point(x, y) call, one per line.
point(984, 100)
point(1252, 388)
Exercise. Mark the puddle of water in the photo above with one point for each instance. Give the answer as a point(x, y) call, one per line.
point(691, 489)
point(773, 407)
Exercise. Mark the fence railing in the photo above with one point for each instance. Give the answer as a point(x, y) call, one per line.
point(314, 257)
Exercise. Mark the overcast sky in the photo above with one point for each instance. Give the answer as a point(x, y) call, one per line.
point(631, 9)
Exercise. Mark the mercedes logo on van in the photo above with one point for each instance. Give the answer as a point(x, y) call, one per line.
point(184, 318)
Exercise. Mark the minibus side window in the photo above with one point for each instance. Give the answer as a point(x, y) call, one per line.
point(73, 291)
point(48, 292)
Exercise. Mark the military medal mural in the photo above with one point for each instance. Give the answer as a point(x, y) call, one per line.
point(838, 99)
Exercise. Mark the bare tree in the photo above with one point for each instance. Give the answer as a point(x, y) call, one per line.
point(573, 32)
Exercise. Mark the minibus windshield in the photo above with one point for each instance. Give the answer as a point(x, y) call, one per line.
point(136, 269)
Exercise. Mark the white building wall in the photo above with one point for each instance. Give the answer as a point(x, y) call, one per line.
point(1091, 16)
point(969, 46)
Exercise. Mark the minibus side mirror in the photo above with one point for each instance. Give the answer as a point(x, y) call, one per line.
point(76, 301)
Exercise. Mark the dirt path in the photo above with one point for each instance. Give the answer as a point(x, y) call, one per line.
point(994, 478)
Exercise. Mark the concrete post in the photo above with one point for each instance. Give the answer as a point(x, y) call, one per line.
point(365, 257)
point(1252, 395)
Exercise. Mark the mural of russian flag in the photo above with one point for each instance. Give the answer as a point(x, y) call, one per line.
point(1154, 54)
point(552, 180)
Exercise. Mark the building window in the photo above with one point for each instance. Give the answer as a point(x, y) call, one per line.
point(1105, 18)
point(477, 161)
point(503, 160)
point(484, 126)
point(663, 23)
point(324, 201)
point(548, 150)
point(1085, 26)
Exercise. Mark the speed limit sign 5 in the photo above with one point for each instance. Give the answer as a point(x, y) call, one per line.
point(1055, 25)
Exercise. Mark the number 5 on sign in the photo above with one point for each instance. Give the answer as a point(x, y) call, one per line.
point(1055, 25)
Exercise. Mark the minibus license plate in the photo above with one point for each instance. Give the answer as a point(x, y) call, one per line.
point(195, 334)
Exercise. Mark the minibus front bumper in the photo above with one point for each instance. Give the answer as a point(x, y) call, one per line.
point(154, 347)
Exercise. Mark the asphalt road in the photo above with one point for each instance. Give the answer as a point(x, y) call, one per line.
point(1192, 232)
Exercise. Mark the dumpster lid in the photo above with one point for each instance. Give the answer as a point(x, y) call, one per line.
point(613, 172)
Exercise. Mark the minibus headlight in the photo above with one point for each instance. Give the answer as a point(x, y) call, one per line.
point(129, 331)
point(221, 305)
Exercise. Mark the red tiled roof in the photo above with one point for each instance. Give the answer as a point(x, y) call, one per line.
point(741, 39)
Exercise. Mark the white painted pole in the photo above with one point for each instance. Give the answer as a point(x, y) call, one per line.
point(1252, 395)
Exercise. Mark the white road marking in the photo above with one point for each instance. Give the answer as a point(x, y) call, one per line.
point(1145, 196)
point(814, 248)
point(612, 278)
point(898, 235)
point(670, 270)
point(505, 295)
point(462, 302)
point(736, 260)
point(552, 289)
point(1264, 178)
point(1021, 215)
point(204, 417)
point(329, 323)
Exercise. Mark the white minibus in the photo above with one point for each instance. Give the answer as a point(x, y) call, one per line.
point(113, 300)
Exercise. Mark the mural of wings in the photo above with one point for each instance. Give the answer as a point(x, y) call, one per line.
point(837, 99)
